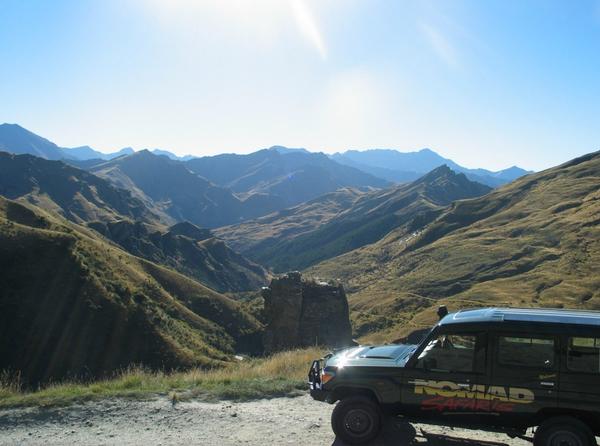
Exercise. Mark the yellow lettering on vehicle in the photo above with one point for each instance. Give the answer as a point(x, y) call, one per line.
point(449, 389)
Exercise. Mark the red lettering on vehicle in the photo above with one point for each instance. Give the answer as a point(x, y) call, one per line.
point(443, 404)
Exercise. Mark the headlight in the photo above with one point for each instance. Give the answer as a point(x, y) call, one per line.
point(326, 376)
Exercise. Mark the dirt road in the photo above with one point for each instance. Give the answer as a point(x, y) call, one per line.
point(279, 421)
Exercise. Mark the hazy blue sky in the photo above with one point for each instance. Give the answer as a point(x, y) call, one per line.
point(486, 83)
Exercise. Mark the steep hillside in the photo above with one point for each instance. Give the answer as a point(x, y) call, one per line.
point(74, 305)
point(76, 194)
point(87, 199)
point(290, 176)
point(191, 251)
point(367, 220)
point(534, 242)
point(15, 139)
point(179, 192)
point(258, 234)
point(401, 167)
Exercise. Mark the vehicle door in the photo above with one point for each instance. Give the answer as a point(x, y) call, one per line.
point(448, 377)
point(524, 376)
point(579, 385)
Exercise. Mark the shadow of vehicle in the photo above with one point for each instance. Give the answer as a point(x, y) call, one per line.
point(398, 432)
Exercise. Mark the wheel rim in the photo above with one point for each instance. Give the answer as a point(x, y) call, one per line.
point(565, 438)
point(358, 422)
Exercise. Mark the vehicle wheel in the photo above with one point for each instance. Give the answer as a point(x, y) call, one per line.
point(356, 420)
point(564, 431)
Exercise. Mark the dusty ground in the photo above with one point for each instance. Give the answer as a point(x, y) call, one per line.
point(277, 421)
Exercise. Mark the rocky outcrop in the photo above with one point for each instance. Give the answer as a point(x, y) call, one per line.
point(301, 313)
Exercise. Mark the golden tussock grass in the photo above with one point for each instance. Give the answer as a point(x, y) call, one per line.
point(283, 374)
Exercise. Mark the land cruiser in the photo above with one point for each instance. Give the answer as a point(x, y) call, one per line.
point(496, 369)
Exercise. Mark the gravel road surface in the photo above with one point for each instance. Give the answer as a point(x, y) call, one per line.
point(279, 421)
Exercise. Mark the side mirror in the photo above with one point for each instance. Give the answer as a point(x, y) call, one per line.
point(442, 312)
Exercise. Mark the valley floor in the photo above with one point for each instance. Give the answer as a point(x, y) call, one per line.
point(277, 421)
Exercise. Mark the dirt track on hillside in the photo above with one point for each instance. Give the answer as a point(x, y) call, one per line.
point(279, 421)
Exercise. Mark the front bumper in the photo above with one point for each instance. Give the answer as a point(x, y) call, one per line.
point(319, 394)
point(314, 381)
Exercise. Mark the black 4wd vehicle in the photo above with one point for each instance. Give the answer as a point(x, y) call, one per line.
point(493, 369)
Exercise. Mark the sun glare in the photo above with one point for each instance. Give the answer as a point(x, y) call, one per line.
point(308, 26)
point(262, 19)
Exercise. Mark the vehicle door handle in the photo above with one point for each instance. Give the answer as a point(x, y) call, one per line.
point(547, 384)
point(464, 386)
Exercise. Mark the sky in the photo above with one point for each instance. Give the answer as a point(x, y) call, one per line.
point(486, 83)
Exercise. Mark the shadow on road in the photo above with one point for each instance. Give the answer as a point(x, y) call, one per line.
point(397, 432)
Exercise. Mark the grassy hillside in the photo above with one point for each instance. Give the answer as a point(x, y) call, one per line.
point(73, 193)
point(369, 218)
point(534, 242)
point(190, 250)
point(74, 305)
point(87, 199)
point(256, 235)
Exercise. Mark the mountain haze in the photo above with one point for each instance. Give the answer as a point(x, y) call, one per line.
point(289, 176)
point(85, 153)
point(15, 139)
point(401, 167)
point(179, 192)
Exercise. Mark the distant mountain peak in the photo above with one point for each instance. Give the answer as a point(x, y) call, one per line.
point(402, 167)
point(16, 139)
point(8, 125)
point(284, 150)
point(443, 171)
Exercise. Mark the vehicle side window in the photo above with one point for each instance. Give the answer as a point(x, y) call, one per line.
point(537, 352)
point(454, 353)
point(583, 355)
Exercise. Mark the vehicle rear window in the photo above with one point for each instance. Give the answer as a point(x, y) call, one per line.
point(584, 355)
point(535, 352)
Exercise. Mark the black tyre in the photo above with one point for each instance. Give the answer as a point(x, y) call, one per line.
point(564, 431)
point(356, 420)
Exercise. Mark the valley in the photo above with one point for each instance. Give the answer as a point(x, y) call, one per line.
point(228, 222)
point(148, 246)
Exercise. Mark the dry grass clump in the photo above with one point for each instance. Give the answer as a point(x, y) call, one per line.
point(283, 374)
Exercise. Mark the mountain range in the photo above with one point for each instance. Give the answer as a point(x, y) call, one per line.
point(290, 176)
point(365, 220)
point(142, 230)
point(399, 167)
point(15, 139)
point(139, 258)
point(264, 171)
point(73, 193)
